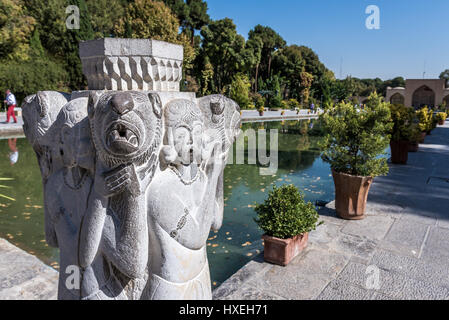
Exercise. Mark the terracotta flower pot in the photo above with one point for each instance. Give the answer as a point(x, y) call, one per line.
point(413, 147)
point(351, 194)
point(441, 122)
point(261, 113)
point(282, 251)
point(423, 136)
point(399, 151)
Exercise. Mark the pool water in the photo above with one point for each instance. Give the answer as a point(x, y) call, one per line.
point(238, 241)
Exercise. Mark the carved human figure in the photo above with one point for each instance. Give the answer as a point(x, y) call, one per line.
point(39, 114)
point(126, 131)
point(68, 192)
point(182, 206)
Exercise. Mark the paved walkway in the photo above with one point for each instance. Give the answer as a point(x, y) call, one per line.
point(24, 277)
point(253, 115)
point(405, 238)
point(10, 129)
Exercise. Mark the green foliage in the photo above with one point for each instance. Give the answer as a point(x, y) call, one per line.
point(270, 42)
point(105, 14)
point(293, 104)
point(239, 92)
point(402, 118)
point(424, 116)
point(445, 75)
point(285, 214)
point(25, 78)
point(355, 139)
point(441, 116)
point(16, 28)
point(225, 49)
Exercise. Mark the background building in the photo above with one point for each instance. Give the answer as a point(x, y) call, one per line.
point(419, 93)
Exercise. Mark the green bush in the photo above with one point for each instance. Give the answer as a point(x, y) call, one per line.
point(293, 104)
point(239, 91)
point(285, 214)
point(402, 118)
point(259, 102)
point(441, 116)
point(424, 116)
point(356, 139)
point(28, 77)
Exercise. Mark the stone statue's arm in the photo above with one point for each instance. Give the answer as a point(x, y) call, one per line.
point(92, 228)
point(50, 232)
point(213, 197)
point(125, 241)
point(219, 204)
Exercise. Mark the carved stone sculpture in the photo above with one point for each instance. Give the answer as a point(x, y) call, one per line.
point(133, 181)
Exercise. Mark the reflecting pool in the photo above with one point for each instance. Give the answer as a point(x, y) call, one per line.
point(239, 240)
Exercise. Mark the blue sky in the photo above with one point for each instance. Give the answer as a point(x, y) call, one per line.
point(413, 35)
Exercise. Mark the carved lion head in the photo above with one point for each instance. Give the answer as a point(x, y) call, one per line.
point(125, 126)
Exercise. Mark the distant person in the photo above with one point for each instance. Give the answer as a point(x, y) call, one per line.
point(312, 107)
point(11, 103)
point(14, 154)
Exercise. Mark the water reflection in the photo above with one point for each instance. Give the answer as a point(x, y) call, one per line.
point(14, 154)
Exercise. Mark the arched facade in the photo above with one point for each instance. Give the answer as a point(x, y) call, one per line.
point(423, 96)
point(397, 98)
point(420, 92)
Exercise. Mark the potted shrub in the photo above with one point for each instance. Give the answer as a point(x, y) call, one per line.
point(261, 111)
point(286, 220)
point(354, 146)
point(441, 118)
point(414, 139)
point(401, 133)
point(424, 118)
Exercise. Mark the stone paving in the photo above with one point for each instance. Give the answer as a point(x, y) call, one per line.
point(25, 277)
point(253, 115)
point(405, 238)
point(10, 129)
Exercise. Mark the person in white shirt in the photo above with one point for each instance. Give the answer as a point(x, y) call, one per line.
point(11, 103)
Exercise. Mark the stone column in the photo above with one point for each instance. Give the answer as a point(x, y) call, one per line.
point(132, 171)
point(131, 64)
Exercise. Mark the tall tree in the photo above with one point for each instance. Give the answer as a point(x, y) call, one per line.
point(271, 42)
point(224, 47)
point(16, 28)
point(71, 42)
point(192, 15)
point(105, 14)
point(198, 16)
point(289, 63)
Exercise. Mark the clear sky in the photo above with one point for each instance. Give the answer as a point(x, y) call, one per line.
point(413, 35)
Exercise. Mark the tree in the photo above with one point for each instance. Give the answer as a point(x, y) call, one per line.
point(105, 14)
point(239, 92)
point(198, 16)
point(306, 84)
point(192, 15)
point(70, 45)
point(16, 28)
point(224, 47)
point(50, 21)
point(445, 75)
point(271, 41)
point(288, 62)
